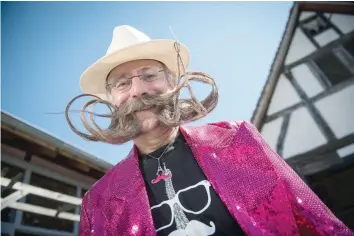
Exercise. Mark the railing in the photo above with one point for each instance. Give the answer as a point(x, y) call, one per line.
point(25, 189)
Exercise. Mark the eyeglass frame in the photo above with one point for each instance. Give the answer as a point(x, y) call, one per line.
point(110, 87)
point(175, 200)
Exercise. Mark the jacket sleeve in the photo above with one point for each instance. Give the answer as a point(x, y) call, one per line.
point(312, 216)
point(85, 224)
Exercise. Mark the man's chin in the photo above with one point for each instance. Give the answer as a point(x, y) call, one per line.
point(148, 125)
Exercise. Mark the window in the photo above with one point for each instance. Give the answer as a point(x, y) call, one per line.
point(10, 171)
point(349, 47)
point(315, 26)
point(47, 222)
point(332, 68)
point(52, 184)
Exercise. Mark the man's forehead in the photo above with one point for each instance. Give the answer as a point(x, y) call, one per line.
point(134, 66)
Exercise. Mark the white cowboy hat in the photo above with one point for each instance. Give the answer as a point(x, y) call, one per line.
point(130, 44)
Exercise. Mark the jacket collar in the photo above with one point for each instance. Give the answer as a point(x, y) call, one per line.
point(213, 137)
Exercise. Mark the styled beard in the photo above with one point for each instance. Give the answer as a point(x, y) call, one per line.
point(125, 124)
point(170, 111)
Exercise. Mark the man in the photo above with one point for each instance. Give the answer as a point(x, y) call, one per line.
point(215, 179)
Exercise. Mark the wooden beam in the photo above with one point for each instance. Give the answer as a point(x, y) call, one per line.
point(32, 230)
point(282, 135)
point(319, 75)
point(25, 136)
point(42, 192)
point(318, 152)
point(44, 211)
point(13, 181)
point(323, 50)
point(263, 103)
point(328, 7)
point(32, 149)
point(14, 197)
point(64, 208)
point(315, 114)
point(316, 164)
point(24, 189)
point(14, 126)
point(326, 93)
point(311, 39)
point(345, 163)
point(329, 22)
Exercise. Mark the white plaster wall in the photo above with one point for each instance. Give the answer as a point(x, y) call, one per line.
point(300, 47)
point(338, 110)
point(271, 131)
point(344, 22)
point(308, 82)
point(326, 37)
point(283, 97)
point(303, 134)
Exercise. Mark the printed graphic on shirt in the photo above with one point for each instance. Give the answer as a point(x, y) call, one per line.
point(184, 227)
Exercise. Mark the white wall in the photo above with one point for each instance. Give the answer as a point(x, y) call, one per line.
point(300, 47)
point(344, 22)
point(326, 37)
point(338, 110)
point(271, 130)
point(308, 82)
point(303, 134)
point(283, 97)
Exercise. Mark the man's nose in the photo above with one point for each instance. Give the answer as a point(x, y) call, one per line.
point(138, 89)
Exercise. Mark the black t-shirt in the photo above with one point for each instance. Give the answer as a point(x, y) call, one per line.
point(184, 201)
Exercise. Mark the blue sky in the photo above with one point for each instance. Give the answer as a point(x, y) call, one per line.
point(47, 45)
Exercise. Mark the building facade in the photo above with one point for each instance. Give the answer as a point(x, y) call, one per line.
point(306, 109)
point(43, 180)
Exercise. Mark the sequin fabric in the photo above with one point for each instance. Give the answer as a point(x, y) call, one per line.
point(260, 190)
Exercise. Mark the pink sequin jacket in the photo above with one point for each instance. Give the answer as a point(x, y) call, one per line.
point(261, 191)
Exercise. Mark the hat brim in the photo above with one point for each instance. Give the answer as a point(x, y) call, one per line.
point(93, 79)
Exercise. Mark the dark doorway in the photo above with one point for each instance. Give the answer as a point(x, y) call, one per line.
point(335, 187)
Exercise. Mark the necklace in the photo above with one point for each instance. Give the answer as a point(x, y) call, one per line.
point(160, 172)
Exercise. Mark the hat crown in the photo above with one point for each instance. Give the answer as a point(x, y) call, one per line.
point(125, 36)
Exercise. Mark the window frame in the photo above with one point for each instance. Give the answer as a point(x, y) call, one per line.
point(343, 57)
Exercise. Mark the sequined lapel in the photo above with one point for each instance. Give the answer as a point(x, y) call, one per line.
point(135, 212)
point(228, 161)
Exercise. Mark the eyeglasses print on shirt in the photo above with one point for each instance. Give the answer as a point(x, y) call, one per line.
point(176, 200)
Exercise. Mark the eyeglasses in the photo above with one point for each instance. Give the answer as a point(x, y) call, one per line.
point(124, 84)
point(175, 200)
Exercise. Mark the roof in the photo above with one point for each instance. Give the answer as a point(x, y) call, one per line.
point(278, 62)
point(36, 136)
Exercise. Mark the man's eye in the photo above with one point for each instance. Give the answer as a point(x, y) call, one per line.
point(150, 76)
point(122, 84)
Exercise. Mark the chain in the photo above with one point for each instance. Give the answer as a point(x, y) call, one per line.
point(159, 168)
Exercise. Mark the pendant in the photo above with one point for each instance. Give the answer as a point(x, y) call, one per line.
point(161, 174)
